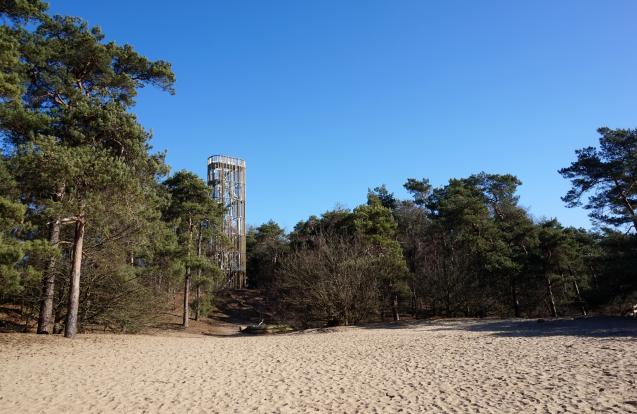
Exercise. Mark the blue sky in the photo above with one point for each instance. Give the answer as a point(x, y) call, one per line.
point(327, 98)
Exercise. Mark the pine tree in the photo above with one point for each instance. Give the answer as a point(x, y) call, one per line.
point(71, 133)
point(192, 210)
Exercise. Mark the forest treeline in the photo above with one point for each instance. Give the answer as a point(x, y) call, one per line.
point(466, 248)
point(94, 232)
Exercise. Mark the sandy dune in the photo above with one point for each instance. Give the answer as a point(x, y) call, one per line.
point(445, 366)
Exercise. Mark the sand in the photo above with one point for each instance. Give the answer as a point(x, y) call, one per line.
point(444, 366)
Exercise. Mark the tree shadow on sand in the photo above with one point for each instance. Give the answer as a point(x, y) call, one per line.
point(596, 327)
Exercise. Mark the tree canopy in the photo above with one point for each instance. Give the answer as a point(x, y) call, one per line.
point(608, 175)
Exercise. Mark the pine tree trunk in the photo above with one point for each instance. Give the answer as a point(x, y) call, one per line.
point(199, 240)
point(198, 302)
point(565, 294)
point(580, 300)
point(549, 289)
point(186, 298)
point(414, 303)
point(448, 303)
point(514, 297)
point(70, 328)
point(187, 279)
point(595, 281)
point(395, 308)
point(48, 284)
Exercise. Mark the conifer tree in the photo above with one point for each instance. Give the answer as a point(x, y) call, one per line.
point(191, 210)
point(609, 175)
point(69, 125)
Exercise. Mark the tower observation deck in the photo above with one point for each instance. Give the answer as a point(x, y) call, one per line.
point(227, 178)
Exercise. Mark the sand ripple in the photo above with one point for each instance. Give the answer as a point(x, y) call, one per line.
point(430, 367)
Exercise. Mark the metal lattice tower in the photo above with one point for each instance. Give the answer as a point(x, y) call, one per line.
point(227, 177)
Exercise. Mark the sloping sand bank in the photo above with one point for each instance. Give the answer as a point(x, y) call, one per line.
point(444, 366)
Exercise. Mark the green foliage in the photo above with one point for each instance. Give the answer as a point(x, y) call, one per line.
point(203, 304)
point(11, 250)
point(344, 267)
point(20, 257)
point(609, 175)
point(196, 218)
point(22, 10)
point(419, 189)
point(375, 221)
point(382, 195)
point(612, 260)
point(190, 205)
point(265, 247)
point(76, 152)
point(190, 198)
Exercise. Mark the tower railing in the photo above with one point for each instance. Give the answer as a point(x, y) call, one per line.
point(226, 176)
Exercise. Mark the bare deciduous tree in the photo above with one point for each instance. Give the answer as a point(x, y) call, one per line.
point(332, 279)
